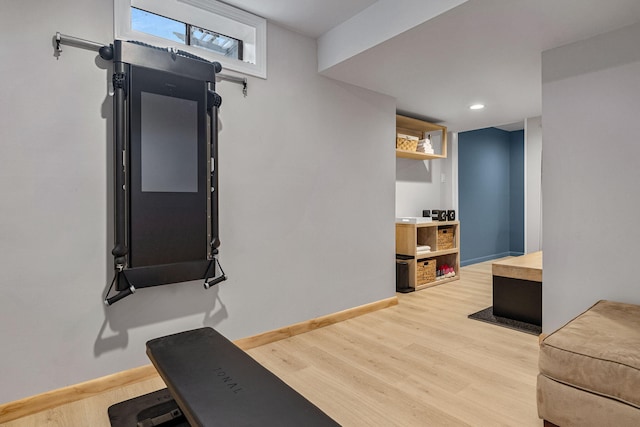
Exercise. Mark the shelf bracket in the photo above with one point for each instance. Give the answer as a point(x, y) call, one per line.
point(234, 79)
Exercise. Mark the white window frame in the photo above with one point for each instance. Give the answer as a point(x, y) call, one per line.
point(210, 14)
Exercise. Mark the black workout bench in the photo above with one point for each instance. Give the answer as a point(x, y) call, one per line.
point(212, 382)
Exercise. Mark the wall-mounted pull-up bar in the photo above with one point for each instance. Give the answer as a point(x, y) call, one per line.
point(105, 50)
point(106, 53)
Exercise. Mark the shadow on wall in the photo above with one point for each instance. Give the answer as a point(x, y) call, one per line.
point(156, 305)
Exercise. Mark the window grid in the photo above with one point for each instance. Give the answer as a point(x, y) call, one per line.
point(158, 25)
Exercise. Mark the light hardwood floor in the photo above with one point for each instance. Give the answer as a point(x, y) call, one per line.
point(420, 363)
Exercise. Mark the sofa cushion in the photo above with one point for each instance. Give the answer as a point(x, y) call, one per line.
point(598, 351)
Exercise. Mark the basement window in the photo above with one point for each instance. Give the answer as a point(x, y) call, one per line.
point(184, 33)
point(207, 28)
point(215, 42)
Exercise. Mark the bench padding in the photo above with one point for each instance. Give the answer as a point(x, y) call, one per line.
point(215, 383)
point(598, 351)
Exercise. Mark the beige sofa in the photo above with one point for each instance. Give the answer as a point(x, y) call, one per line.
point(590, 369)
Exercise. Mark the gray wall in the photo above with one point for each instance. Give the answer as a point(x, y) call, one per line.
point(306, 193)
point(590, 96)
point(533, 182)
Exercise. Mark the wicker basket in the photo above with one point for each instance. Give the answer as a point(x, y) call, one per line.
point(407, 144)
point(445, 238)
point(426, 271)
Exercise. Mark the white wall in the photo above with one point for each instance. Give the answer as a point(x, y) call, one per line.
point(419, 183)
point(381, 21)
point(449, 193)
point(417, 186)
point(590, 96)
point(306, 193)
point(533, 182)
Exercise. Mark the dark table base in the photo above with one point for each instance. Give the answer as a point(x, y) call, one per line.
point(517, 299)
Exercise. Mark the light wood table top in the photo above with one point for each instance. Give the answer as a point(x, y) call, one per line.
point(525, 267)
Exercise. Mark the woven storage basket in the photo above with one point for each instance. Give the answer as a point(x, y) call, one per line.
point(426, 271)
point(406, 144)
point(445, 238)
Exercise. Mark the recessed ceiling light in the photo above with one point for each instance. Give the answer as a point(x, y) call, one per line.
point(477, 107)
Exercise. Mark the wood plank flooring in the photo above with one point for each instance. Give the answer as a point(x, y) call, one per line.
point(420, 363)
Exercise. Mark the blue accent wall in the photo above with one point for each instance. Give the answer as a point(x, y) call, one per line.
point(491, 194)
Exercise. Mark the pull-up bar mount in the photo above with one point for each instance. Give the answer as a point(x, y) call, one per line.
point(106, 53)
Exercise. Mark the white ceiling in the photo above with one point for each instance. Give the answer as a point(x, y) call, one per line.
point(486, 51)
point(309, 17)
